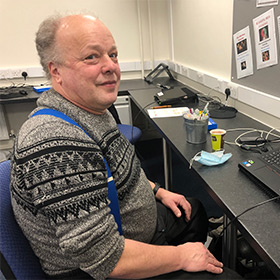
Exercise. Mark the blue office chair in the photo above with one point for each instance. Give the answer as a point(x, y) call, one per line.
point(18, 260)
point(132, 133)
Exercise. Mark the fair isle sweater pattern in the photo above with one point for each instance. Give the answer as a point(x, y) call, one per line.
point(43, 186)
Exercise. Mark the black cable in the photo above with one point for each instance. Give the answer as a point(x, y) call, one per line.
point(250, 149)
point(260, 145)
point(250, 208)
point(213, 103)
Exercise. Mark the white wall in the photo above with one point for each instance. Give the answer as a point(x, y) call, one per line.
point(19, 21)
point(203, 35)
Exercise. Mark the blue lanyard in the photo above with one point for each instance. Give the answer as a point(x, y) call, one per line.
point(112, 191)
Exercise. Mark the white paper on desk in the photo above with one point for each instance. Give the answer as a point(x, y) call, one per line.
point(167, 112)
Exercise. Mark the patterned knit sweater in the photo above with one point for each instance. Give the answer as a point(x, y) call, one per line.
point(59, 189)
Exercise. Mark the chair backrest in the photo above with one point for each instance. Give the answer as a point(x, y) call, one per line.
point(132, 133)
point(18, 260)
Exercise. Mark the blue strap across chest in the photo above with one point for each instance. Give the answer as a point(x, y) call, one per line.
point(112, 191)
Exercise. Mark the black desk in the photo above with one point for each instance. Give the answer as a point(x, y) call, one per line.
point(230, 188)
point(31, 96)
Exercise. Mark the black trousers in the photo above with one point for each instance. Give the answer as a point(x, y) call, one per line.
point(174, 231)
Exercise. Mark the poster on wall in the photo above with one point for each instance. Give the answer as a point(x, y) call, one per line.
point(265, 39)
point(243, 53)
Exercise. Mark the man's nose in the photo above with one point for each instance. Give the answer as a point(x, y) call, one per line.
point(108, 64)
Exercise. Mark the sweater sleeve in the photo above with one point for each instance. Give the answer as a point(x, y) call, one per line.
point(95, 246)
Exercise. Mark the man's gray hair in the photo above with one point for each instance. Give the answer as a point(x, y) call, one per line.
point(46, 44)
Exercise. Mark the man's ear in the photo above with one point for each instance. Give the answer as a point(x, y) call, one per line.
point(53, 69)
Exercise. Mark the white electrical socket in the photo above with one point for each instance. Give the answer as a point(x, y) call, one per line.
point(233, 90)
point(221, 85)
point(12, 73)
point(171, 65)
point(177, 68)
point(17, 72)
point(4, 74)
point(199, 77)
point(185, 71)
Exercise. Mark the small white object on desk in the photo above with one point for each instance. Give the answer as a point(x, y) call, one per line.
point(167, 112)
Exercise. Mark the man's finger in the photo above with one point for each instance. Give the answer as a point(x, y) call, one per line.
point(187, 209)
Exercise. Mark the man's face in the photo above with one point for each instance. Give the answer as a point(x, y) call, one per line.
point(89, 75)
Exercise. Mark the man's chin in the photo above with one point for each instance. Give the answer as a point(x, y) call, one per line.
point(113, 97)
point(110, 104)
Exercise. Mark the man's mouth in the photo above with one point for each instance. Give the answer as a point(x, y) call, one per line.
point(109, 83)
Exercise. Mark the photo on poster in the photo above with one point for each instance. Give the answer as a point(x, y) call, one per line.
point(243, 65)
point(265, 55)
point(241, 46)
point(263, 32)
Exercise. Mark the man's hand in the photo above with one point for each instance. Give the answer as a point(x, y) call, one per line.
point(173, 200)
point(196, 257)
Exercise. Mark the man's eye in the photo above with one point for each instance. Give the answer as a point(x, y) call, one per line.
point(114, 55)
point(92, 56)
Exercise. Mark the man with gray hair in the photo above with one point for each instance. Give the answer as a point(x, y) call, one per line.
point(59, 178)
